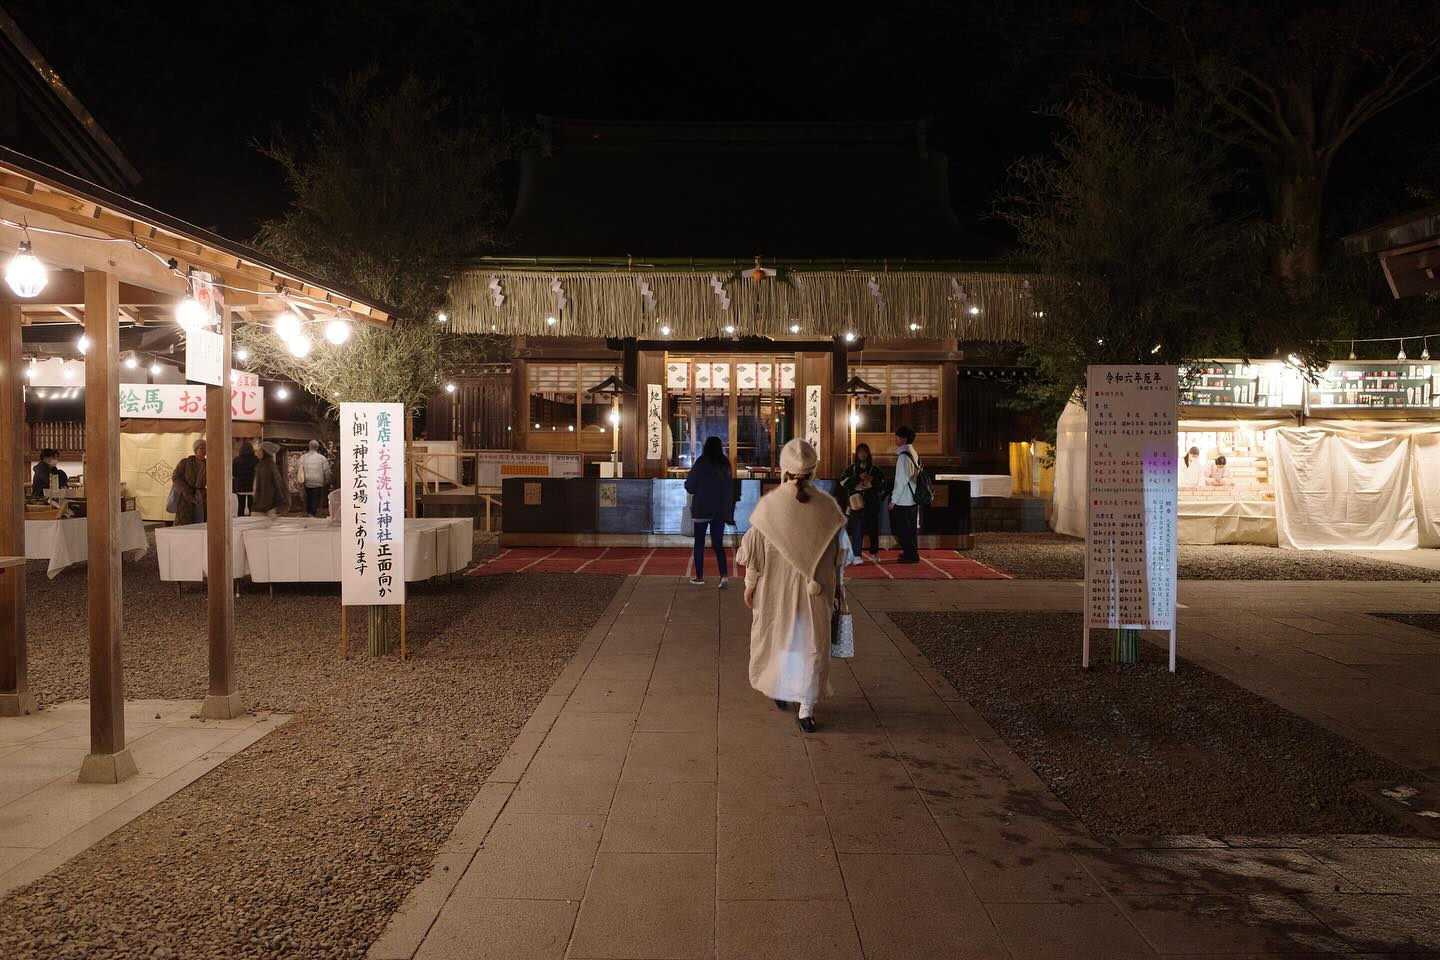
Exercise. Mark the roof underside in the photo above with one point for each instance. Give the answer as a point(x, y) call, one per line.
point(735, 190)
point(1409, 251)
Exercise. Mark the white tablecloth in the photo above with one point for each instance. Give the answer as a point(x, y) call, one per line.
point(64, 542)
point(1227, 521)
point(286, 553)
point(182, 553)
point(984, 484)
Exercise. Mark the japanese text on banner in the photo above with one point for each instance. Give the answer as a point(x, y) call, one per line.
point(372, 508)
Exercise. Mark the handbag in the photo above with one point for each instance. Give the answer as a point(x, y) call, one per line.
point(842, 631)
point(172, 503)
point(857, 502)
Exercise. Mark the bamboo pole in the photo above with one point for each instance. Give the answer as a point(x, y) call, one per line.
point(344, 634)
point(402, 631)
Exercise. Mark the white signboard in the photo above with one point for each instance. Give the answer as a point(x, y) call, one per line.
point(492, 468)
point(177, 401)
point(372, 503)
point(813, 403)
point(1130, 563)
point(654, 421)
point(203, 357)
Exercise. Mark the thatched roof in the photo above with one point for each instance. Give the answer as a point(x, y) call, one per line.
point(697, 302)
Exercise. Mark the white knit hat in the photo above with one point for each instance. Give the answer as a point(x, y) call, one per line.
point(798, 458)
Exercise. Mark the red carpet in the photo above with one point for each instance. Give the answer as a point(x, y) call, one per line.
point(675, 562)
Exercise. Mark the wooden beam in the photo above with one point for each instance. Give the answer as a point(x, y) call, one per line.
point(15, 695)
point(109, 760)
point(223, 701)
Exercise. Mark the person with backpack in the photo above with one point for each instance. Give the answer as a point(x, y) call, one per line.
point(906, 495)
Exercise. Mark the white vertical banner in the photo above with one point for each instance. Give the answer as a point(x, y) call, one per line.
point(654, 421)
point(1131, 558)
point(372, 503)
point(813, 403)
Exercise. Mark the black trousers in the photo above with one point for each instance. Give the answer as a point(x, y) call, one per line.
point(862, 524)
point(717, 541)
point(314, 499)
point(903, 522)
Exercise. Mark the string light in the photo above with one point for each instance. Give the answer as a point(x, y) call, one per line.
point(131, 362)
point(1401, 354)
point(1352, 349)
point(664, 331)
point(242, 354)
point(282, 393)
point(337, 331)
point(442, 318)
point(730, 329)
point(155, 369)
point(849, 337)
point(449, 388)
point(914, 327)
point(551, 321)
point(300, 346)
point(287, 325)
point(26, 274)
point(1425, 352)
point(794, 328)
point(190, 315)
point(974, 311)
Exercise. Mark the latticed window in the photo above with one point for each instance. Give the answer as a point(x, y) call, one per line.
point(910, 396)
point(595, 409)
point(870, 409)
point(554, 393)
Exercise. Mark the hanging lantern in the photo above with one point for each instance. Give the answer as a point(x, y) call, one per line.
point(26, 274)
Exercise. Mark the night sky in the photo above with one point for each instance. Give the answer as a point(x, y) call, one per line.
point(186, 90)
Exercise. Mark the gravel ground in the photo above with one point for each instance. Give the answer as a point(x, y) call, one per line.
point(1041, 556)
point(1138, 752)
point(304, 844)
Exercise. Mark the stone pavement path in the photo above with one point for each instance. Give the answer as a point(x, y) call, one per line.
point(656, 807)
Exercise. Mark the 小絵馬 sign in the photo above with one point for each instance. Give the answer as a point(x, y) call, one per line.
point(372, 504)
point(654, 421)
point(1132, 494)
point(813, 402)
point(179, 401)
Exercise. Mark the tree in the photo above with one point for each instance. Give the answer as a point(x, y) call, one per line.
point(1138, 262)
point(391, 192)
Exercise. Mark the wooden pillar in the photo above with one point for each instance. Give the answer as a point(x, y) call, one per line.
point(223, 701)
point(109, 760)
point(15, 695)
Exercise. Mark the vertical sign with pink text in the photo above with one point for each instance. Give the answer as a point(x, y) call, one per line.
point(372, 503)
point(1131, 560)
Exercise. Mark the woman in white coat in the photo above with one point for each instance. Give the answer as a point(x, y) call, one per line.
point(792, 557)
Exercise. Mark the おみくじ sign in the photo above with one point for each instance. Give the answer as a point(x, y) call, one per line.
point(372, 504)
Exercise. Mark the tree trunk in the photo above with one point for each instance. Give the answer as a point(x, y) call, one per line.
point(1297, 193)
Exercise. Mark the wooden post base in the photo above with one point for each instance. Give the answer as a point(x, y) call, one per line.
point(17, 704)
point(108, 767)
point(222, 707)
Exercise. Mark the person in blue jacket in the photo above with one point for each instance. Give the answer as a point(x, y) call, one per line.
point(712, 505)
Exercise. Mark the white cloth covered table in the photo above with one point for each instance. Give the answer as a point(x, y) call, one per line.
point(1227, 521)
point(182, 551)
point(310, 553)
point(65, 542)
point(984, 484)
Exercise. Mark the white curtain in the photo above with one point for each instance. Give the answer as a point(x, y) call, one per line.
point(1344, 490)
point(1068, 513)
point(1425, 455)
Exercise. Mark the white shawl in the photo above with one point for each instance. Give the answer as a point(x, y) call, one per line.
point(801, 532)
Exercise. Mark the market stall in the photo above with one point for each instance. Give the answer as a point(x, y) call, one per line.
point(66, 542)
point(1350, 461)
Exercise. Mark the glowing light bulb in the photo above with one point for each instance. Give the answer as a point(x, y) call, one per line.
point(849, 337)
point(974, 311)
point(854, 419)
point(26, 274)
point(282, 393)
point(664, 331)
point(337, 331)
point(571, 428)
point(155, 369)
point(614, 417)
point(242, 354)
point(729, 328)
point(300, 346)
point(914, 327)
point(449, 388)
point(794, 328)
point(32, 370)
point(190, 315)
point(287, 325)
point(131, 362)
point(441, 317)
point(551, 321)
point(82, 344)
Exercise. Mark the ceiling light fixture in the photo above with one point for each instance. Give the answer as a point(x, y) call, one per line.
point(25, 273)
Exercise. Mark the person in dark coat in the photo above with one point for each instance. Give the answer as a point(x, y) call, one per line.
point(189, 477)
point(44, 470)
point(272, 493)
point(242, 474)
point(712, 505)
point(865, 479)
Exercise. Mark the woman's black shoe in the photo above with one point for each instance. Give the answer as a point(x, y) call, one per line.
point(806, 723)
point(782, 705)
